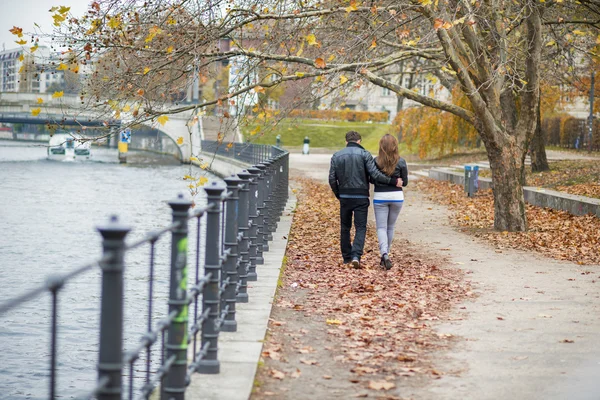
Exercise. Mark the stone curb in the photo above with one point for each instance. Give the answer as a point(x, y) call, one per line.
point(239, 352)
point(573, 204)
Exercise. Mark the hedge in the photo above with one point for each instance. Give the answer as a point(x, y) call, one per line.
point(341, 115)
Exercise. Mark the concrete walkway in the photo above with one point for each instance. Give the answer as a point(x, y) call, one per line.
point(531, 330)
point(239, 352)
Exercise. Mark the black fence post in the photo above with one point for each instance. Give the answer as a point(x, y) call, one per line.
point(278, 190)
point(269, 206)
point(286, 179)
point(243, 250)
point(210, 298)
point(253, 223)
point(260, 206)
point(110, 360)
point(177, 339)
point(231, 244)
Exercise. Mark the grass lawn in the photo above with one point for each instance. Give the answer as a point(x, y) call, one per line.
point(322, 134)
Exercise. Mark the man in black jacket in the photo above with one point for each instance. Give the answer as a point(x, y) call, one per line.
point(349, 179)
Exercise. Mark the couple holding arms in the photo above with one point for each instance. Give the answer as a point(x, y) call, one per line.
point(351, 171)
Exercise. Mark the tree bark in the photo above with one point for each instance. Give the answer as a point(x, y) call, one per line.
point(539, 162)
point(509, 203)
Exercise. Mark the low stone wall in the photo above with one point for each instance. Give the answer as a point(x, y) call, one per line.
point(576, 205)
point(445, 174)
point(573, 204)
point(221, 166)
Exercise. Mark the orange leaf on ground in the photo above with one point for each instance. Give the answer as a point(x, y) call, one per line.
point(381, 385)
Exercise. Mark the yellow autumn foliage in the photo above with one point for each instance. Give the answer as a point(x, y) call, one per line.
point(435, 130)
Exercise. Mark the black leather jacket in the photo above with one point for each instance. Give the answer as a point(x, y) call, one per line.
point(350, 170)
point(401, 171)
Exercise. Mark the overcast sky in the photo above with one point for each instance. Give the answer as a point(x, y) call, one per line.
point(24, 13)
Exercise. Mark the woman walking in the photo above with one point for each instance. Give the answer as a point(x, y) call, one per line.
point(388, 200)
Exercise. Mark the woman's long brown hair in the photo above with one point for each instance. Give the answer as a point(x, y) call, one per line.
point(388, 154)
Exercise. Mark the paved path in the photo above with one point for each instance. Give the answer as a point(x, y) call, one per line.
point(239, 352)
point(532, 330)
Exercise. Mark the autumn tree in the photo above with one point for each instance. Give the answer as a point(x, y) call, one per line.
point(492, 50)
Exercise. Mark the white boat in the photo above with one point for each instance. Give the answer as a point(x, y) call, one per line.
point(69, 147)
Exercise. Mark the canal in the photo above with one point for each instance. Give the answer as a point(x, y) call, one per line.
point(48, 219)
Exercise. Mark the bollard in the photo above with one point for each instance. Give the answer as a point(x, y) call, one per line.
point(242, 296)
point(475, 178)
point(467, 176)
point(231, 242)
point(260, 221)
point(174, 384)
point(110, 359)
point(471, 177)
point(252, 223)
point(210, 298)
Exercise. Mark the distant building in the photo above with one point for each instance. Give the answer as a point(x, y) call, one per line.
point(9, 67)
point(34, 73)
point(373, 98)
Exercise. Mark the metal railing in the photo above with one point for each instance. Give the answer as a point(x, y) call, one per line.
point(240, 218)
point(245, 152)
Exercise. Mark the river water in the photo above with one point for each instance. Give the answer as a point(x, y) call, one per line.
point(48, 219)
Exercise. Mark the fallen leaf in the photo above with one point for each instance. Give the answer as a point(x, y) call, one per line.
point(277, 374)
point(381, 385)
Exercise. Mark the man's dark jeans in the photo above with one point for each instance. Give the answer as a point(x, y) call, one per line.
point(359, 208)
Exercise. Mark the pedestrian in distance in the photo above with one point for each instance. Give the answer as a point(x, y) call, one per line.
point(349, 175)
point(306, 145)
point(388, 200)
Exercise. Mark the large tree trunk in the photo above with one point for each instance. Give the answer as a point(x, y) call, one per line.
point(539, 162)
point(509, 204)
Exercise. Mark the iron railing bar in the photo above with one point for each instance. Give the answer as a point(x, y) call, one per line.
point(150, 295)
point(195, 291)
point(162, 371)
point(53, 344)
point(153, 236)
point(61, 279)
point(201, 354)
point(197, 279)
point(198, 324)
point(201, 211)
point(132, 355)
point(131, 380)
point(102, 383)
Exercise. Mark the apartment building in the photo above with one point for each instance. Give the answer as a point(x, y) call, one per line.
point(370, 97)
point(30, 73)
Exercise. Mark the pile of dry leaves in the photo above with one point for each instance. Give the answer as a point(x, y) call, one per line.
point(377, 323)
point(579, 177)
point(557, 234)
